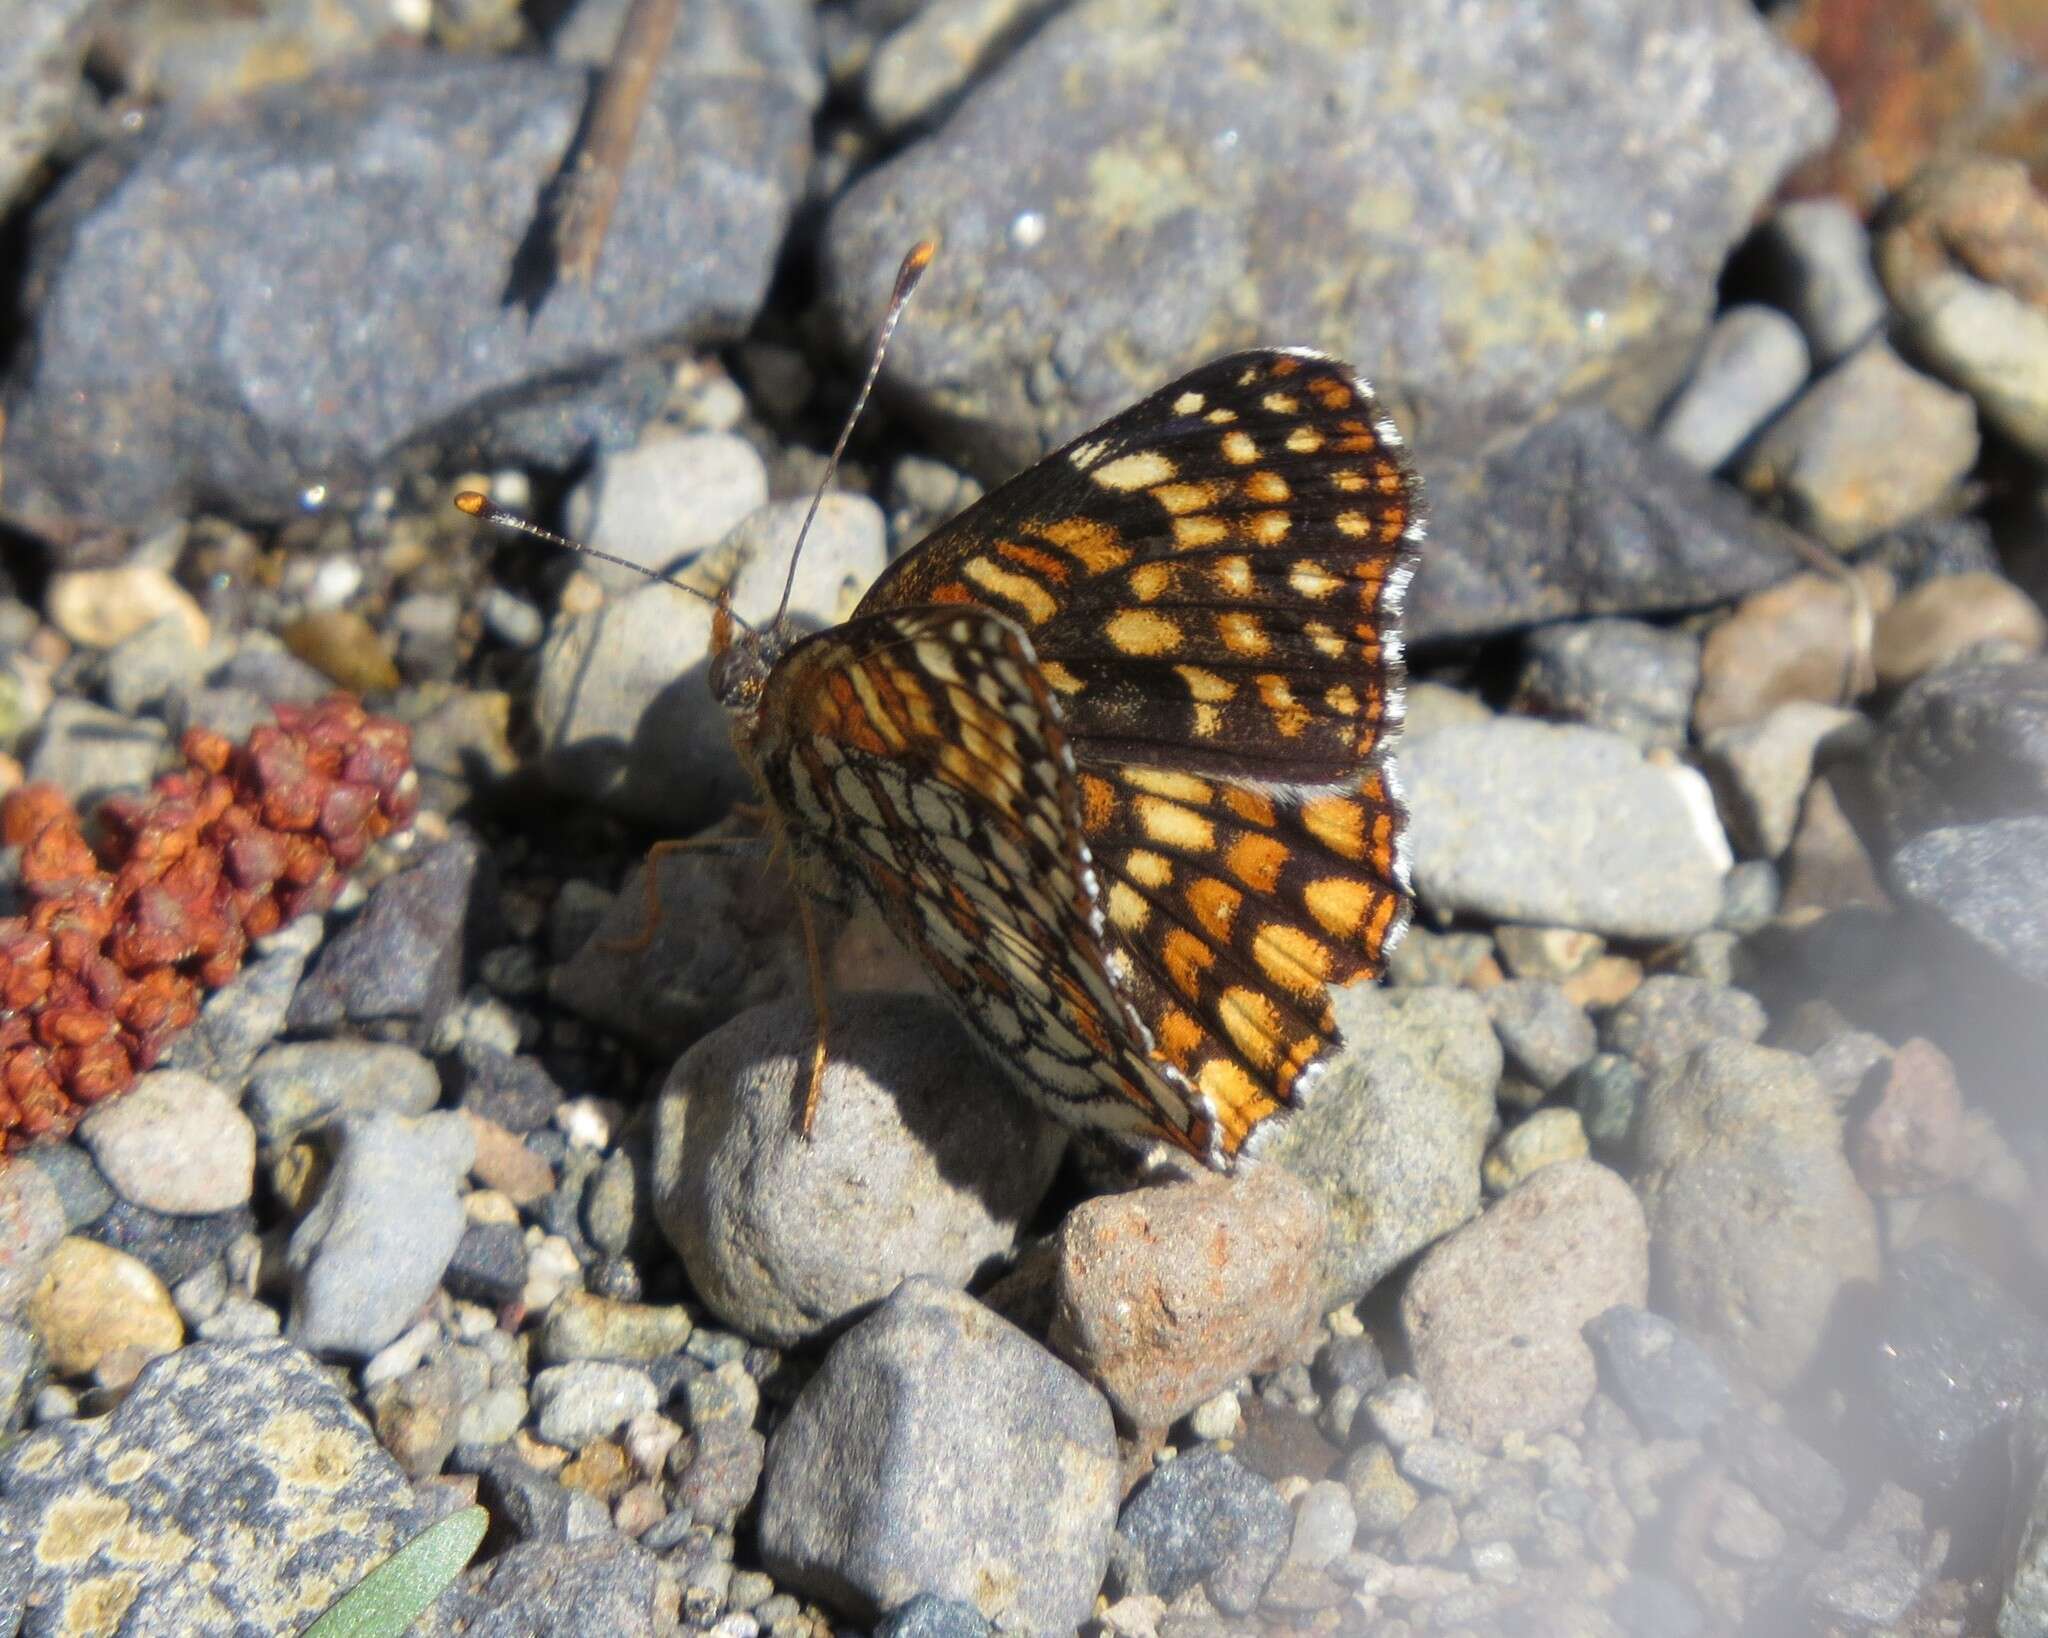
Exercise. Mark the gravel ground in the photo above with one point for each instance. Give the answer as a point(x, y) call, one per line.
point(1665, 1252)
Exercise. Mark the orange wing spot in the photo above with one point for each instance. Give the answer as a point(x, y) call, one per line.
point(1304, 440)
point(1353, 524)
point(1267, 488)
point(1289, 715)
point(1233, 575)
point(1240, 1102)
point(1206, 687)
point(1373, 787)
point(1285, 365)
point(953, 592)
point(1293, 959)
point(1242, 633)
point(1149, 581)
point(1149, 869)
point(1176, 787)
point(1253, 1024)
point(1339, 698)
point(1268, 528)
point(1338, 903)
point(1019, 590)
point(1215, 906)
point(1098, 803)
point(1393, 526)
point(1252, 807)
point(1096, 546)
point(1142, 633)
point(1338, 823)
point(1186, 958)
point(1171, 825)
point(1060, 677)
point(1382, 918)
point(1183, 498)
point(1088, 1025)
point(1257, 861)
point(1043, 564)
point(852, 724)
point(1347, 481)
point(1331, 393)
point(1179, 1037)
point(1204, 530)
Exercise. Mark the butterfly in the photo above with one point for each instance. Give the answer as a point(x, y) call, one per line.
point(1110, 750)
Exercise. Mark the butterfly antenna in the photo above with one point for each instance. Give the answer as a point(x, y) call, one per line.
point(486, 510)
point(907, 275)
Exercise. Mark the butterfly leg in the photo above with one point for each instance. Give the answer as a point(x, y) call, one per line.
point(814, 964)
point(650, 880)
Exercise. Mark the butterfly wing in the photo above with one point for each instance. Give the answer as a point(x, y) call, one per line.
point(1212, 581)
point(920, 751)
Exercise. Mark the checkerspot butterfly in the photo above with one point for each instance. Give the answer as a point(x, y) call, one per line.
point(1109, 751)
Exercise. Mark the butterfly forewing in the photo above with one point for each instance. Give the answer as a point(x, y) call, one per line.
point(921, 751)
point(1108, 749)
point(1212, 579)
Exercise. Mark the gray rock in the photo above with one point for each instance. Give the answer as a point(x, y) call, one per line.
point(1493, 1315)
point(940, 1450)
point(1393, 1137)
point(157, 663)
point(1961, 745)
point(623, 704)
point(1957, 258)
point(1626, 676)
point(1173, 233)
point(376, 1243)
point(214, 1443)
point(513, 1090)
point(2023, 1608)
point(1867, 1583)
point(21, 1365)
point(262, 307)
point(1988, 882)
point(489, 1265)
point(41, 89)
point(31, 1224)
point(1401, 1412)
point(1203, 1520)
point(926, 1616)
point(401, 960)
point(1761, 770)
point(247, 1013)
point(1446, 1465)
point(726, 939)
point(1822, 273)
point(1605, 1091)
point(663, 500)
point(1954, 619)
point(1543, 1032)
point(176, 1143)
point(559, 1589)
point(1324, 1523)
point(923, 1161)
point(772, 40)
point(1952, 1362)
point(1756, 1222)
point(1584, 517)
point(172, 1247)
point(1753, 362)
point(90, 753)
point(1870, 445)
point(1648, 1606)
point(306, 1083)
point(588, 1400)
point(1668, 1015)
point(1522, 821)
point(1749, 897)
point(1671, 1385)
point(1542, 1138)
point(1791, 1478)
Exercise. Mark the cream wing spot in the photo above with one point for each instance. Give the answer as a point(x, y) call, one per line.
point(1140, 470)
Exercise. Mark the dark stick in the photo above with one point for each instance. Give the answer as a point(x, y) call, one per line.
point(590, 188)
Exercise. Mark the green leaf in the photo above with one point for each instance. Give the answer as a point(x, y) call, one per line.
point(394, 1595)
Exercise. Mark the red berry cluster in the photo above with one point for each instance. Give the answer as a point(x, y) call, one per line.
point(112, 959)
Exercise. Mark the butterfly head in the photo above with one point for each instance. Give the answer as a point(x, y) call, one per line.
point(742, 657)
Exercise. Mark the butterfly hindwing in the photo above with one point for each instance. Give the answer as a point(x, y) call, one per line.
point(921, 752)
